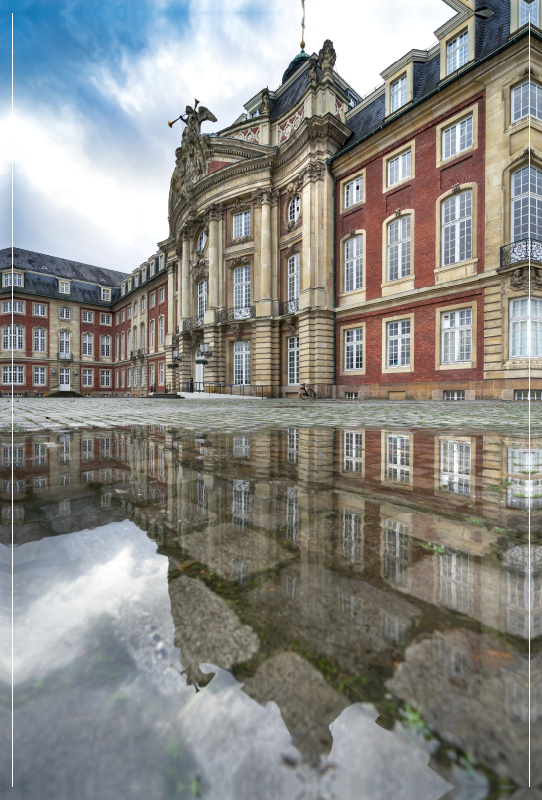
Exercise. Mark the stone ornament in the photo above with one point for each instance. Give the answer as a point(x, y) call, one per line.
point(312, 72)
point(290, 323)
point(456, 188)
point(288, 128)
point(197, 338)
point(192, 156)
point(239, 261)
point(519, 278)
point(294, 248)
point(250, 135)
point(314, 171)
point(294, 187)
point(237, 331)
point(213, 212)
point(241, 240)
point(327, 57)
point(265, 195)
point(265, 108)
point(397, 212)
point(240, 205)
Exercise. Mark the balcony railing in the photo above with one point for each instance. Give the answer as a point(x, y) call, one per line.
point(64, 356)
point(193, 322)
point(141, 352)
point(133, 355)
point(522, 250)
point(240, 312)
point(288, 307)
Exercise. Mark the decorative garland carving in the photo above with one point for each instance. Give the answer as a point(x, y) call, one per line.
point(314, 171)
point(240, 205)
point(239, 261)
point(265, 195)
point(519, 278)
point(294, 248)
point(241, 240)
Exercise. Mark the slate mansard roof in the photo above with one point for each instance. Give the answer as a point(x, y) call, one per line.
point(491, 33)
point(42, 273)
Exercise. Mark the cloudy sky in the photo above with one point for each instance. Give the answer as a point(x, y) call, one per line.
point(96, 82)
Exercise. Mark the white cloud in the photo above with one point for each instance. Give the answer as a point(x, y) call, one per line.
point(105, 188)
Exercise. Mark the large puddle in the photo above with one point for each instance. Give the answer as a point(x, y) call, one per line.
point(304, 614)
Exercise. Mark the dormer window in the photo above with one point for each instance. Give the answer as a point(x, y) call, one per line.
point(64, 287)
point(294, 209)
point(457, 51)
point(352, 99)
point(106, 294)
point(255, 113)
point(162, 261)
point(151, 268)
point(202, 241)
point(143, 274)
point(136, 279)
point(398, 93)
point(13, 279)
point(123, 289)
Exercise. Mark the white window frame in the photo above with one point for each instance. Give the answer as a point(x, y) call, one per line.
point(241, 290)
point(161, 330)
point(87, 377)
point(400, 167)
point(353, 263)
point(105, 346)
point(38, 307)
point(526, 100)
point(398, 93)
point(399, 235)
point(161, 373)
point(353, 349)
point(64, 313)
point(398, 343)
point(64, 343)
point(241, 363)
point(40, 339)
point(353, 192)
point(162, 294)
point(13, 337)
point(455, 466)
point(526, 206)
point(353, 451)
point(152, 300)
point(40, 376)
point(87, 344)
point(105, 319)
point(152, 331)
point(87, 316)
point(457, 52)
point(241, 224)
point(64, 287)
point(457, 228)
point(105, 378)
point(294, 264)
point(106, 294)
point(294, 208)
point(12, 307)
point(456, 332)
point(13, 376)
point(457, 137)
point(13, 279)
point(398, 458)
point(202, 298)
point(293, 360)
point(202, 241)
point(525, 327)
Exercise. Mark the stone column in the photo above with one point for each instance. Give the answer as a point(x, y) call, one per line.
point(185, 288)
point(213, 215)
point(170, 302)
point(179, 278)
point(265, 247)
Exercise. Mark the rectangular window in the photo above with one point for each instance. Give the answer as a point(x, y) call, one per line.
point(142, 376)
point(129, 342)
point(142, 304)
point(161, 330)
point(15, 307)
point(13, 279)
point(106, 294)
point(129, 312)
point(40, 377)
point(87, 344)
point(526, 100)
point(64, 343)
point(399, 343)
point(161, 371)
point(398, 93)
point(455, 465)
point(88, 378)
point(135, 375)
point(39, 340)
point(105, 346)
point(39, 310)
point(293, 360)
point(152, 374)
point(153, 300)
point(117, 346)
point(241, 363)
point(64, 313)
point(143, 274)
point(457, 228)
point(162, 261)
point(122, 378)
point(399, 168)
point(453, 394)
point(293, 279)
point(105, 319)
point(456, 138)
point(64, 287)
point(129, 377)
point(456, 329)
point(241, 224)
point(151, 268)
point(353, 264)
point(353, 451)
point(457, 52)
point(13, 375)
point(353, 192)
point(118, 317)
point(398, 459)
point(123, 314)
point(162, 294)
point(526, 328)
point(528, 12)
point(105, 378)
point(353, 349)
point(454, 581)
point(135, 309)
point(13, 337)
point(88, 316)
point(399, 248)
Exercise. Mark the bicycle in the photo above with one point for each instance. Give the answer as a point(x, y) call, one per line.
point(306, 393)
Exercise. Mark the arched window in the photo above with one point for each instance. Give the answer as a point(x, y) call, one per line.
point(294, 209)
point(353, 264)
point(143, 336)
point(293, 283)
point(202, 300)
point(135, 339)
point(202, 241)
point(526, 204)
point(241, 291)
point(399, 248)
point(457, 228)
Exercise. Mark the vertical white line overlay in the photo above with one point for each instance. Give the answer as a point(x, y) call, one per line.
point(529, 350)
point(12, 430)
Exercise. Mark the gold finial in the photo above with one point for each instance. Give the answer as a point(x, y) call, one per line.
point(303, 26)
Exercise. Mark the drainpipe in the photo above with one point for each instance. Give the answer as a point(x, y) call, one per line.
point(334, 272)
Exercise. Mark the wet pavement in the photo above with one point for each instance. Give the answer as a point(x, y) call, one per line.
point(289, 613)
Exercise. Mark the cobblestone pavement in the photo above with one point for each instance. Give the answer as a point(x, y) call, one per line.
point(241, 414)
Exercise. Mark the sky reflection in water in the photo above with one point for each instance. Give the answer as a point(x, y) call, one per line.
point(297, 613)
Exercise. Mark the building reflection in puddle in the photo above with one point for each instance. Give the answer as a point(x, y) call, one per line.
point(327, 570)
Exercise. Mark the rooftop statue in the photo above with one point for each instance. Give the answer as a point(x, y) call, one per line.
point(193, 118)
point(192, 155)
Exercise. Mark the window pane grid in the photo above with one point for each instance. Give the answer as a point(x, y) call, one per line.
point(353, 349)
point(399, 249)
point(399, 343)
point(458, 51)
point(353, 255)
point(457, 228)
point(293, 360)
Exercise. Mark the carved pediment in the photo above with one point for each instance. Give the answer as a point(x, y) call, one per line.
point(240, 261)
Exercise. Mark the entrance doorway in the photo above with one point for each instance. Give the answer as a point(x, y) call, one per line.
point(65, 380)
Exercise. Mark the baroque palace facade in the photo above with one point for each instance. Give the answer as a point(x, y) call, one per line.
point(370, 247)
